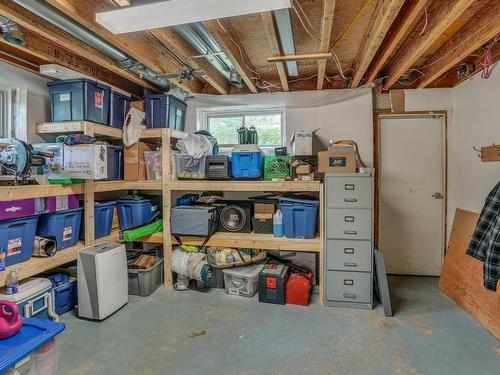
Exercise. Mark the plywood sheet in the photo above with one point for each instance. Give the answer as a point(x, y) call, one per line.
point(462, 276)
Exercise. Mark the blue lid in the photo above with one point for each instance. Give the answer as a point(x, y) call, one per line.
point(34, 333)
point(307, 202)
point(106, 203)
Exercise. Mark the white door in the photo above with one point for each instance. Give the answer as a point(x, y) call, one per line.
point(411, 198)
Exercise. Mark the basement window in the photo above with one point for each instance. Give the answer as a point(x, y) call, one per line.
point(224, 126)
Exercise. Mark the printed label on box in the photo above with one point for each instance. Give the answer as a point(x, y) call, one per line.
point(14, 246)
point(337, 161)
point(99, 99)
point(64, 97)
point(67, 233)
point(62, 203)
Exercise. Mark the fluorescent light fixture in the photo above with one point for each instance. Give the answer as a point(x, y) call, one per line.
point(285, 31)
point(180, 12)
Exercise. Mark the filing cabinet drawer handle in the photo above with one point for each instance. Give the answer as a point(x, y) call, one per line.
point(350, 264)
point(350, 200)
point(352, 232)
point(349, 187)
point(348, 295)
point(349, 219)
point(349, 250)
point(348, 282)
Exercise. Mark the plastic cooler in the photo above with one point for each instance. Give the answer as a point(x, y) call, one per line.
point(119, 105)
point(65, 292)
point(242, 281)
point(103, 219)
point(79, 99)
point(165, 111)
point(115, 163)
point(144, 282)
point(134, 213)
point(246, 162)
point(64, 226)
point(299, 217)
point(17, 237)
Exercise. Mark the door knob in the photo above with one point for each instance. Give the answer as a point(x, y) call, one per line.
point(437, 196)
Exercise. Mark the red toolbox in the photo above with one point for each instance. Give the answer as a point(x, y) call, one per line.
point(298, 288)
point(272, 282)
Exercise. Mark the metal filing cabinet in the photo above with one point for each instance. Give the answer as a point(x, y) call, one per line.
point(348, 240)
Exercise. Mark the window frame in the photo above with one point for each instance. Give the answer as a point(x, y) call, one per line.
point(204, 116)
point(14, 110)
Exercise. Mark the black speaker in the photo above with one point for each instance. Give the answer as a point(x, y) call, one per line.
point(234, 216)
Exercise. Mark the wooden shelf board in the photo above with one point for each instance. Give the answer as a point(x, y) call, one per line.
point(255, 241)
point(36, 265)
point(193, 185)
point(101, 186)
point(67, 127)
point(157, 133)
point(8, 193)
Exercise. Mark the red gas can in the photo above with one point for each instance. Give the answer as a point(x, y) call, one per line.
point(298, 288)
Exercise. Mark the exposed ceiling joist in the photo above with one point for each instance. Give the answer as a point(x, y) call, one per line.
point(138, 45)
point(480, 29)
point(225, 38)
point(185, 52)
point(387, 13)
point(45, 29)
point(272, 37)
point(407, 16)
point(441, 16)
point(324, 44)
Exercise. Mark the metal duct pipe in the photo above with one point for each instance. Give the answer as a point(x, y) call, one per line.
point(59, 19)
point(11, 31)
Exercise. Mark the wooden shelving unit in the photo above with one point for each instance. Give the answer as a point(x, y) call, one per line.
point(166, 186)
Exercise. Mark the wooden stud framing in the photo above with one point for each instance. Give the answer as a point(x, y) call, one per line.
point(441, 15)
point(304, 57)
point(324, 44)
point(185, 52)
point(89, 199)
point(167, 198)
point(385, 16)
point(463, 43)
point(274, 43)
point(227, 41)
point(407, 16)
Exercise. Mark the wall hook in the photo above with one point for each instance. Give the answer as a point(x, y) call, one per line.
point(478, 149)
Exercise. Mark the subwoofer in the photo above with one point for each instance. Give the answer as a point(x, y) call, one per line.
point(234, 216)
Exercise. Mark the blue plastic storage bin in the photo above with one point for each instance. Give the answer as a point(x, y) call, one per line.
point(165, 111)
point(64, 226)
point(79, 99)
point(65, 292)
point(115, 163)
point(299, 217)
point(132, 213)
point(103, 219)
point(17, 237)
point(246, 164)
point(118, 109)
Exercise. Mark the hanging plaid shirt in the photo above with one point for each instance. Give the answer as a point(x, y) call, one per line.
point(485, 242)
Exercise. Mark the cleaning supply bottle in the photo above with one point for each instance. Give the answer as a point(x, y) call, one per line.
point(278, 230)
point(12, 282)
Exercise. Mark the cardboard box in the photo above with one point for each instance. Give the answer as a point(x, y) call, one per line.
point(135, 166)
point(303, 169)
point(303, 143)
point(306, 260)
point(340, 159)
point(137, 104)
point(263, 210)
point(88, 162)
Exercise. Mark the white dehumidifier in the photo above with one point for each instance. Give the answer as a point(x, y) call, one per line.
point(102, 280)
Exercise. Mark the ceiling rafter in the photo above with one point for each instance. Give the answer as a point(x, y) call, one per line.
point(441, 15)
point(222, 33)
point(272, 37)
point(182, 49)
point(386, 14)
point(480, 29)
point(138, 45)
point(324, 44)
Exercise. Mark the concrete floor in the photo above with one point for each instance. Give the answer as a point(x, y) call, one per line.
point(214, 333)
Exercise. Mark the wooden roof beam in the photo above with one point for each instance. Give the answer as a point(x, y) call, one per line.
point(224, 36)
point(324, 44)
point(138, 45)
point(272, 37)
point(406, 18)
point(480, 29)
point(182, 49)
point(386, 14)
point(441, 15)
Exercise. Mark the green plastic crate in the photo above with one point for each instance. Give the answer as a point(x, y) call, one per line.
point(277, 167)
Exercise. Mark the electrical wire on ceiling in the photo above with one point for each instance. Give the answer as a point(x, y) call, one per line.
point(353, 21)
point(487, 58)
point(424, 28)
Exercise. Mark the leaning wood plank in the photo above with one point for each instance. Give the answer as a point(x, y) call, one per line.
point(441, 16)
point(385, 16)
point(462, 276)
point(324, 44)
point(490, 153)
point(485, 25)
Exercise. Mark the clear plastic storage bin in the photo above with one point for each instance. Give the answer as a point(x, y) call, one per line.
point(242, 281)
point(188, 168)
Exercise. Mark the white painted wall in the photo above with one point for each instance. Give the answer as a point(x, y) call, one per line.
point(38, 103)
point(340, 114)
